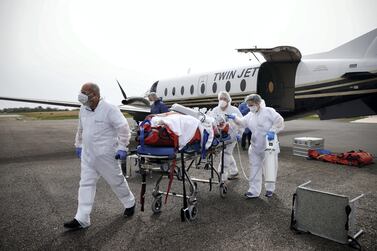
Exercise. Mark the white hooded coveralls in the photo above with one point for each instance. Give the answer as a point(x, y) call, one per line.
point(259, 123)
point(100, 134)
point(230, 166)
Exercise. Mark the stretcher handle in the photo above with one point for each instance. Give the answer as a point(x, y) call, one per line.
point(141, 126)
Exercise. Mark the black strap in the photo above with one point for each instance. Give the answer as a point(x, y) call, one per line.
point(183, 181)
point(348, 212)
point(293, 221)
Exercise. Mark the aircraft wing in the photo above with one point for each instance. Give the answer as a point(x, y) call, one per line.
point(276, 54)
point(137, 111)
point(43, 101)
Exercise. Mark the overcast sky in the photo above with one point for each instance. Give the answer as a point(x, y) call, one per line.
point(49, 48)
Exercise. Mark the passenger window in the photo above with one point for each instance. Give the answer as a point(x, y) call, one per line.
point(166, 92)
point(227, 86)
point(192, 89)
point(182, 90)
point(243, 85)
point(214, 87)
point(202, 88)
point(173, 91)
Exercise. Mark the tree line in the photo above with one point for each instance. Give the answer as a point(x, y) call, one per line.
point(31, 109)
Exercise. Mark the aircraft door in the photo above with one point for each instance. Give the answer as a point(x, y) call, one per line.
point(202, 85)
point(276, 84)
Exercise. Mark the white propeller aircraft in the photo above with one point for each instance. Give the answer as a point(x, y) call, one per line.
point(338, 83)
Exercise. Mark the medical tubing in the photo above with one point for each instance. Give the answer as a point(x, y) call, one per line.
point(239, 157)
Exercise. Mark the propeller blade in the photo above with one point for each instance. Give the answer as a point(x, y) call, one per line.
point(121, 89)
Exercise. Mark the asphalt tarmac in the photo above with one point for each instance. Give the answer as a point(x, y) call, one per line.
point(39, 178)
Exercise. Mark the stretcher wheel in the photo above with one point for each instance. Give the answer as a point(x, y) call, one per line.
point(157, 204)
point(223, 190)
point(190, 213)
point(193, 212)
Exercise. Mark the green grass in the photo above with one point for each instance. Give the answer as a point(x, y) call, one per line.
point(51, 115)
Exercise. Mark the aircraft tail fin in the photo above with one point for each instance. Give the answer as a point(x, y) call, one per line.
point(364, 46)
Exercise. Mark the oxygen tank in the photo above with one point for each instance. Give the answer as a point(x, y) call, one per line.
point(189, 111)
point(270, 160)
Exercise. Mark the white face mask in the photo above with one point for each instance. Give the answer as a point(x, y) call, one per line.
point(253, 109)
point(223, 103)
point(83, 99)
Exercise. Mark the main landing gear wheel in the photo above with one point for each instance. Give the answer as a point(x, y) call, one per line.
point(157, 204)
point(223, 190)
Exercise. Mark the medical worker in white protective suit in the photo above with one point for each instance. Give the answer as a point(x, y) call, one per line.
point(262, 121)
point(102, 137)
point(225, 108)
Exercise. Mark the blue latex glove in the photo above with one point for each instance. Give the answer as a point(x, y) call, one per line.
point(230, 116)
point(121, 155)
point(78, 152)
point(270, 135)
point(238, 137)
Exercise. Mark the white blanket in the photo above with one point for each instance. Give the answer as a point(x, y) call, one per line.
point(184, 126)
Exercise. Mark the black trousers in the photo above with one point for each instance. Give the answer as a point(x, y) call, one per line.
point(245, 137)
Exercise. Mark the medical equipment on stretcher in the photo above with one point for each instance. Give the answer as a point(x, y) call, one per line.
point(176, 164)
point(189, 111)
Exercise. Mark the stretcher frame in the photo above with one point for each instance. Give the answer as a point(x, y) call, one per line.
point(335, 220)
point(187, 159)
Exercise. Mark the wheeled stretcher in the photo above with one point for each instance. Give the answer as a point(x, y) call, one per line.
point(176, 165)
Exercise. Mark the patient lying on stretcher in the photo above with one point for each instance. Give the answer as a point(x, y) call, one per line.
point(178, 130)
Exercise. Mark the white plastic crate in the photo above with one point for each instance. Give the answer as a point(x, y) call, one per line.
point(301, 145)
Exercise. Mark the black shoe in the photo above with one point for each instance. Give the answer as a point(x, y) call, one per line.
point(269, 194)
point(129, 211)
point(73, 225)
point(233, 176)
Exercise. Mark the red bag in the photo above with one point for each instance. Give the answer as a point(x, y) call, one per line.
point(351, 158)
point(161, 136)
point(332, 158)
point(156, 136)
point(313, 154)
point(359, 158)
